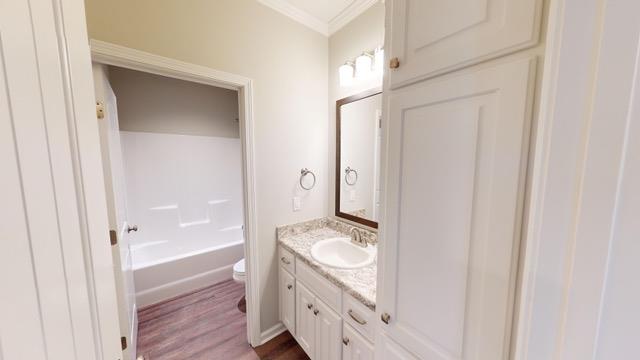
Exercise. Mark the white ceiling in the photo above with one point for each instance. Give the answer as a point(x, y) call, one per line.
point(324, 16)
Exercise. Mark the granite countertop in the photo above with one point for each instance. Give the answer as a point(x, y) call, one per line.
point(299, 238)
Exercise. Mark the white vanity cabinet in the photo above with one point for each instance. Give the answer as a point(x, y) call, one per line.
point(316, 312)
point(433, 37)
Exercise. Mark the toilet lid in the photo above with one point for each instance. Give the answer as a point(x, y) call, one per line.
point(239, 267)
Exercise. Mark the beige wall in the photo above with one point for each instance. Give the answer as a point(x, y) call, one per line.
point(366, 32)
point(288, 63)
point(158, 104)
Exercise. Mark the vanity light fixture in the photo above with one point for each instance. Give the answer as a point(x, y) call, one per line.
point(364, 65)
point(346, 74)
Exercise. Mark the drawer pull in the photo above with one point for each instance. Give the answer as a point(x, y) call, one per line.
point(385, 318)
point(309, 306)
point(289, 286)
point(357, 318)
point(345, 341)
point(315, 312)
point(285, 260)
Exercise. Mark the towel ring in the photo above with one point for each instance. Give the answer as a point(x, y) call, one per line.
point(347, 171)
point(304, 172)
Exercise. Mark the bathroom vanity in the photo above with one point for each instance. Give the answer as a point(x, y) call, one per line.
point(329, 310)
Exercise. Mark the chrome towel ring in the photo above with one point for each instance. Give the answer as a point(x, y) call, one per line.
point(304, 172)
point(348, 171)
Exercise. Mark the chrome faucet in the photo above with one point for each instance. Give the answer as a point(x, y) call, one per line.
point(356, 237)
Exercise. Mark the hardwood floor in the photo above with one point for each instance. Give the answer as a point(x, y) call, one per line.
point(206, 324)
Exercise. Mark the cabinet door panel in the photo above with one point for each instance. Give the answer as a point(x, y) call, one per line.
point(355, 347)
point(305, 320)
point(287, 300)
point(328, 333)
point(457, 156)
point(431, 37)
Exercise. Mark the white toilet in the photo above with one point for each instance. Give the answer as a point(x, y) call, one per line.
point(238, 272)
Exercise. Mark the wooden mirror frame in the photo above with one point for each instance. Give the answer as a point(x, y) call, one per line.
point(363, 95)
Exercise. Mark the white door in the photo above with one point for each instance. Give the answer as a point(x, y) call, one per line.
point(117, 207)
point(456, 163)
point(354, 346)
point(305, 320)
point(430, 37)
point(328, 333)
point(288, 300)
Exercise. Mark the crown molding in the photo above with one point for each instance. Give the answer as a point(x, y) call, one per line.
point(352, 11)
point(349, 13)
point(303, 17)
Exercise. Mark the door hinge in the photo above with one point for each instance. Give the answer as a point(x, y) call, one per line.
point(123, 342)
point(113, 237)
point(100, 110)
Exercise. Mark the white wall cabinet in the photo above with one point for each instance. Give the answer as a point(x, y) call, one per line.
point(288, 300)
point(354, 346)
point(457, 152)
point(431, 37)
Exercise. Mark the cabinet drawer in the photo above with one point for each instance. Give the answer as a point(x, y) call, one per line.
point(323, 288)
point(359, 316)
point(287, 260)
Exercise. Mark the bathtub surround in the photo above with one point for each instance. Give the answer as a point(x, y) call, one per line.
point(184, 190)
point(288, 64)
point(299, 238)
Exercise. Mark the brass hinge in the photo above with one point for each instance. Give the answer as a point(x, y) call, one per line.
point(113, 237)
point(123, 342)
point(100, 110)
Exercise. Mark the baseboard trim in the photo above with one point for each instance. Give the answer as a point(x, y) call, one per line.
point(272, 332)
point(167, 291)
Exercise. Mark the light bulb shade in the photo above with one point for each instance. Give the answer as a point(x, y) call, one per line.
point(378, 62)
point(363, 66)
point(346, 75)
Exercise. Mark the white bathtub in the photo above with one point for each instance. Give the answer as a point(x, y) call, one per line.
point(164, 270)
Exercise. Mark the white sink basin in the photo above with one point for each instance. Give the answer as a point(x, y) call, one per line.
point(341, 253)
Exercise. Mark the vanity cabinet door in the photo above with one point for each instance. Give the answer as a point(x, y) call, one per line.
point(431, 37)
point(305, 320)
point(457, 153)
point(328, 333)
point(354, 346)
point(287, 300)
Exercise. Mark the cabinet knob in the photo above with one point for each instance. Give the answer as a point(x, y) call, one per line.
point(309, 306)
point(345, 341)
point(289, 286)
point(315, 312)
point(394, 63)
point(132, 228)
point(385, 318)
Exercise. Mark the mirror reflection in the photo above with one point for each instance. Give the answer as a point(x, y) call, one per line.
point(358, 157)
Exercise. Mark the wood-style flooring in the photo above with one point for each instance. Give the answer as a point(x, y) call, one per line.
point(207, 324)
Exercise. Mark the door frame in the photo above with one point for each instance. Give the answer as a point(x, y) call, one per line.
point(111, 54)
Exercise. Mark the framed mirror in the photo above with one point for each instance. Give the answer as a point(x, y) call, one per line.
point(358, 140)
